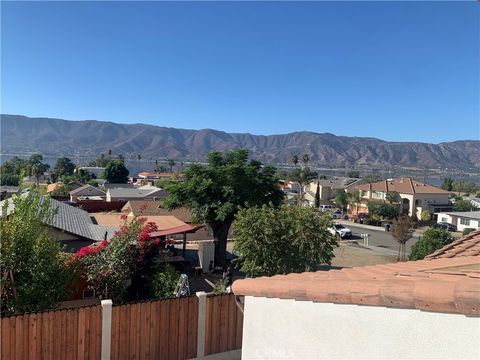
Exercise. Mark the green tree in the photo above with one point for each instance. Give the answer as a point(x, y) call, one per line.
point(305, 160)
point(115, 172)
point(402, 231)
point(381, 210)
point(64, 167)
point(216, 192)
point(171, 164)
point(160, 169)
point(353, 174)
point(33, 256)
point(393, 197)
point(12, 171)
point(35, 167)
point(82, 176)
point(282, 240)
point(431, 240)
point(425, 215)
point(341, 199)
point(463, 205)
point(164, 282)
point(294, 160)
point(354, 200)
point(317, 196)
point(447, 184)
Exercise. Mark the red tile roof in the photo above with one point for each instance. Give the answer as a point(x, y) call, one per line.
point(448, 285)
point(468, 245)
point(402, 186)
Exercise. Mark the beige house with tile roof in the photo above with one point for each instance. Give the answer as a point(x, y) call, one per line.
point(416, 196)
point(427, 309)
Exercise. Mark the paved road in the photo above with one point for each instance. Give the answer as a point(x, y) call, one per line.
point(381, 239)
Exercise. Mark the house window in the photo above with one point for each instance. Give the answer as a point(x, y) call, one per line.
point(417, 202)
point(378, 195)
point(464, 221)
point(444, 219)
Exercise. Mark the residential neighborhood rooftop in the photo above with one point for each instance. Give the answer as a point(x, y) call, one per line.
point(465, 214)
point(150, 208)
point(92, 189)
point(131, 193)
point(163, 222)
point(402, 186)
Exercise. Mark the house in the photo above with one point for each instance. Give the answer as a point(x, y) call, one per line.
point(407, 310)
point(7, 191)
point(120, 194)
point(86, 191)
point(327, 188)
point(475, 201)
point(461, 219)
point(415, 196)
point(73, 226)
point(71, 185)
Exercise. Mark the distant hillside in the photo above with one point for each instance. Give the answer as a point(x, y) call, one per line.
point(20, 134)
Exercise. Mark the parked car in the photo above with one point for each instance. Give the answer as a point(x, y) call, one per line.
point(445, 225)
point(337, 214)
point(340, 230)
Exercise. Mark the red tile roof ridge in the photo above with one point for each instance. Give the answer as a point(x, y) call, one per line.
point(459, 246)
point(420, 288)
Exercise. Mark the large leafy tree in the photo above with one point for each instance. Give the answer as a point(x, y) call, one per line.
point(282, 240)
point(64, 167)
point(11, 171)
point(381, 210)
point(431, 240)
point(30, 258)
point(216, 192)
point(35, 167)
point(447, 184)
point(115, 172)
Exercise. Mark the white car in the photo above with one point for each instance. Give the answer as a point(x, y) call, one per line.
point(340, 230)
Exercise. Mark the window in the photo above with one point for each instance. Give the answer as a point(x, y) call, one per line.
point(444, 219)
point(464, 221)
point(418, 202)
point(378, 194)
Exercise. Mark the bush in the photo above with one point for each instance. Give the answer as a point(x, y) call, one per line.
point(432, 240)
point(289, 239)
point(164, 282)
point(467, 231)
point(381, 210)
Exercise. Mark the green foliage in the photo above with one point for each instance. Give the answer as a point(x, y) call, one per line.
point(35, 167)
point(164, 282)
point(467, 231)
point(393, 197)
point(354, 200)
point(447, 184)
point(101, 161)
point(431, 240)
point(381, 210)
point(64, 167)
point(12, 171)
point(160, 169)
point(373, 177)
point(302, 176)
point(219, 287)
point(171, 164)
point(115, 172)
point(282, 240)
point(463, 205)
point(61, 190)
point(35, 258)
point(216, 192)
point(317, 196)
point(294, 160)
point(353, 174)
point(341, 199)
point(425, 215)
point(305, 160)
point(165, 183)
point(465, 187)
point(83, 176)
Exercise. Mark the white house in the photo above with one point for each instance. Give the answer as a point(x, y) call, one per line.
point(427, 309)
point(461, 219)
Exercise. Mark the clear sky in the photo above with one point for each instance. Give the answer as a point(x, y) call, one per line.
point(406, 71)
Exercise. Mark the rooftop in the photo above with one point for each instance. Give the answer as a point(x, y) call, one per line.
point(150, 208)
point(163, 222)
point(465, 214)
point(88, 189)
point(447, 285)
point(136, 193)
point(402, 186)
point(468, 245)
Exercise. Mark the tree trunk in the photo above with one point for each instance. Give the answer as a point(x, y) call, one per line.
point(220, 233)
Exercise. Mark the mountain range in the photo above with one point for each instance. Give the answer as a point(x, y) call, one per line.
point(21, 135)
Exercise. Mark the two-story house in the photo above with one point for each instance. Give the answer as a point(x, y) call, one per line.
point(415, 195)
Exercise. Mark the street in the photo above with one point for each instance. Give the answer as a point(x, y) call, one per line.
point(380, 238)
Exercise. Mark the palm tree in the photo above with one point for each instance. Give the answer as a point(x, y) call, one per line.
point(305, 160)
point(295, 160)
point(354, 200)
point(341, 199)
point(171, 163)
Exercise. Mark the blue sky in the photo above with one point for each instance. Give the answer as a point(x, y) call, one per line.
point(403, 71)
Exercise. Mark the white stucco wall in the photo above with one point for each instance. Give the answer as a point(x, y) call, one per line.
point(289, 329)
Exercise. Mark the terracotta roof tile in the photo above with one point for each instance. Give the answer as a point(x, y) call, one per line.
point(450, 285)
point(466, 246)
point(402, 186)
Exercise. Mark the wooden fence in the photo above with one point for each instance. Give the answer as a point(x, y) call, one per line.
point(223, 324)
point(63, 334)
point(165, 329)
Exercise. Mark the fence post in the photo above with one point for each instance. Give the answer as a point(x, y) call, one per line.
point(202, 313)
point(106, 328)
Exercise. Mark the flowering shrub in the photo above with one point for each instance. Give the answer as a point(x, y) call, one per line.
point(109, 266)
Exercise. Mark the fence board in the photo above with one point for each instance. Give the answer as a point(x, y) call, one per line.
point(192, 327)
point(154, 329)
point(145, 332)
point(163, 350)
point(114, 340)
point(5, 335)
point(232, 308)
point(223, 329)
